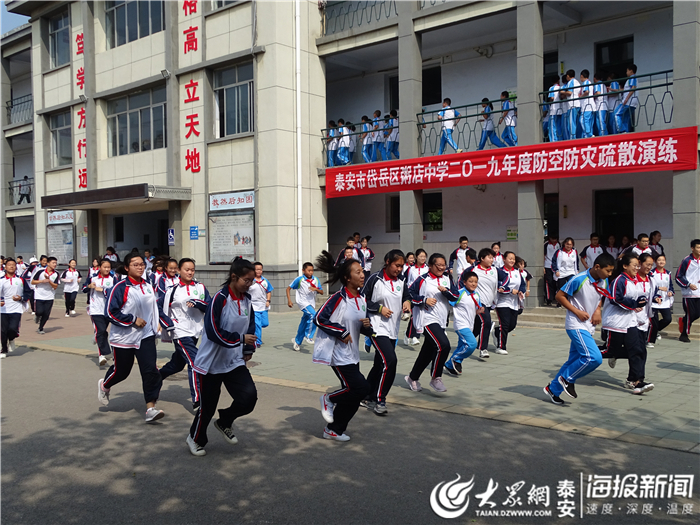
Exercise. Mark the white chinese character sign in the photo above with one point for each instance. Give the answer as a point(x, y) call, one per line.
point(665, 150)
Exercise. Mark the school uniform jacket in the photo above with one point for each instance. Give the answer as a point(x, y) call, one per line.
point(381, 291)
point(258, 292)
point(414, 272)
point(73, 285)
point(488, 283)
point(549, 251)
point(178, 319)
point(688, 273)
point(662, 279)
point(508, 281)
point(165, 283)
point(647, 289)
point(591, 253)
point(464, 309)
point(622, 299)
point(44, 291)
point(658, 248)
point(425, 287)
point(226, 322)
point(97, 300)
point(127, 300)
point(9, 287)
point(458, 261)
point(368, 256)
point(356, 254)
point(565, 263)
point(612, 250)
point(634, 248)
point(341, 315)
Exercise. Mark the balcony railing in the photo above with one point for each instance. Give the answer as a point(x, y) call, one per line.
point(425, 4)
point(21, 192)
point(20, 109)
point(355, 154)
point(653, 98)
point(341, 16)
point(467, 132)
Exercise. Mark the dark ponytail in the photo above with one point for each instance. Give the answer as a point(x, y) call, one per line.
point(625, 261)
point(239, 267)
point(326, 264)
point(393, 256)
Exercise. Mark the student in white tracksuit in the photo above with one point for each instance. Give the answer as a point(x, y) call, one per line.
point(340, 321)
point(511, 289)
point(95, 286)
point(688, 278)
point(663, 281)
point(71, 284)
point(133, 311)
point(565, 263)
point(11, 288)
point(414, 272)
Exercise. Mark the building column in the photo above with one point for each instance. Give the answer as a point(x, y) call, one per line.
point(530, 194)
point(686, 99)
point(410, 100)
point(7, 236)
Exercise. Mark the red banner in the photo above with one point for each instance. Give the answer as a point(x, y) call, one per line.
point(667, 150)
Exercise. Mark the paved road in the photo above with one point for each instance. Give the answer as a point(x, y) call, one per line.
point(66, 459)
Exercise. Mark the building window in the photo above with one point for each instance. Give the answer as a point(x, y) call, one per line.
point(119, 229)
point(59, 39)
point(432, 88)
point(61, 136)
point(551, 68)
point(129, 21)
point(222, 3)
point(233, 97)
point(614, 56)
point(136, 122)
point(432, 212)
point(393, 215)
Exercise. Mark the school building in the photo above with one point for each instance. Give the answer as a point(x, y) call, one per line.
point(198, 127)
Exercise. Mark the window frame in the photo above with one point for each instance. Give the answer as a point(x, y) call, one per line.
point(432, 226)
point(119, 12)
point(220, 107)
point(121, 122)
point(56, 135)
point(54, 55)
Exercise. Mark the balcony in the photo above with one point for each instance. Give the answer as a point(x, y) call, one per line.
point(20, 110)
point(20, 194)
point(342, 16)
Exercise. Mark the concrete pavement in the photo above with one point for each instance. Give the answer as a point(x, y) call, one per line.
point(502, 388)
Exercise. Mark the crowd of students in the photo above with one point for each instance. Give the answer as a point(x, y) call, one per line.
point(627, 292)
point(378, 137)
point(584, 108)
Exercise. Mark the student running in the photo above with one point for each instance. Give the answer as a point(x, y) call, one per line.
point(414, 272)
point(46, 281)
point(688, 278)
point(306, 286)
point(511, 290)
point(71, 284)
point(465, 309)
point(11, 288)
point(261, 294)
point(341, 320)
point(95, 287)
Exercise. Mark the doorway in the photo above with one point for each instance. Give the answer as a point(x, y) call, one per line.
point(614, 213)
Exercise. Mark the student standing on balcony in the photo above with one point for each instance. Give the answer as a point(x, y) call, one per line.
point(624, 116)
point(332, 144)
point(449, 118)
point(510, 118)
point(587, 105)
point(25, 191)
point(555, 112)
point(378, 138)
point(366, 137)
point(487, 130)
point(393, 135)
point(613, 102)
point(343, 143)
point(572, 90)
point(600, 105)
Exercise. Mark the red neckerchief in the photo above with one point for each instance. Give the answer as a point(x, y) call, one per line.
point(235, 298)
point(349, 294)
point(187, 286)
point(139, 283)
point(387, 278)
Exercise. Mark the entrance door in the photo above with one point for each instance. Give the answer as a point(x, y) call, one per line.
point(614, 214)
point(163, 225)
point(551, 213)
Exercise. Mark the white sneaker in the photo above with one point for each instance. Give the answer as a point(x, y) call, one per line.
point(500, 351)
point(72, 312)
point(415, 341)
point(67, 315)
point(406, 341)
point(658, 338)
point(650, 345)
point(33, 313)
point(612, 361)
point(483, 353)
point(296, 346)
point(405, 316)
point(329, 434)
point(102, 360)
point(327, 408)
point(3, 355)
point(413, 385)
point(437, 385)
point(195, 449)
point(102, 393)
point(153, 414)
point(11, 346)
point(308, 340)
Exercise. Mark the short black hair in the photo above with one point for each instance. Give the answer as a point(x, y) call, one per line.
point(351, 238)
point(633, 68)
point(604, 260)
point(306, 265)
point(642, 236)
point(585, 73)
point(466, 275)
point(183, 261)
point(364, 118)
point(485, 252)
point(471, 253)
point(356, 233)
point(341, 121)
point(257, 263)
point(595, 234)
point(393, 113)
point(463, 238)
point(49, 259)
point(694, 243)
point(448, 101)
point(505, 94)
point(571, 73)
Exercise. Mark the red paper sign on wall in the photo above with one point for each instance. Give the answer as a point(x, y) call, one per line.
point(666, 150)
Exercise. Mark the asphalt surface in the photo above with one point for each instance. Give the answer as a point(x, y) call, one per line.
point(67, 459)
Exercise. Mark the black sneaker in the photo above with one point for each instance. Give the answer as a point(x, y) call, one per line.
point(368, 348)
point(226, 432)
point(568, 387)
point(451, 372)
point(457, 366)
point(368, 404)
point(555, 399)
point(684, 338)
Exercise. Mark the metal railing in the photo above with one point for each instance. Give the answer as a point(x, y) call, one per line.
point(21, 192)
point(467, 131)
point(425, 4)
point(355, 153)
point(653, 98)
point(341, 16)
point(20, 109)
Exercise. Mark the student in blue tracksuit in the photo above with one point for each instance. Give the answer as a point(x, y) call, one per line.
point(600, 91)
point(228, 343)
point(624, 114)
point(133, 311)
point(588, 107)
point(509, 116)
point(614, 100)
point(487, 128)
point(343, 132)
point(181, 311)
point(378, 151)
point(332, 144)
point(261, 293)
point(465, 309)
point(450, 118)
point(555, 112)
point(366, 137)
point(340, 321)
point(306, 286)
point(582, 296)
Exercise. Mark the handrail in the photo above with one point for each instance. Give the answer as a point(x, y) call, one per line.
point(20, 109)
point(349, 14)
point(13, 187)
point(618, 80)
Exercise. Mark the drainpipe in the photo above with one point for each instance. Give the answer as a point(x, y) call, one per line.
point(297, 46)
